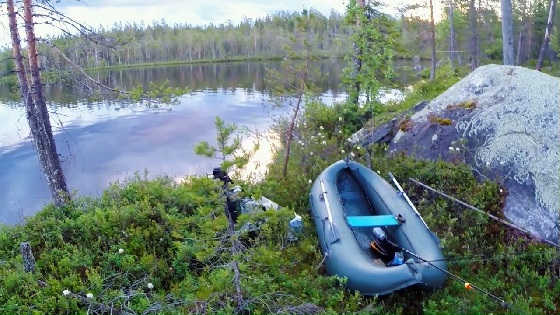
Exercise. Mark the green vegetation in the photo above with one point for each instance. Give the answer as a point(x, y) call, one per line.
point(373, 39)
point(228, 150)
point(421, 91)
point(171, 236)
point(258, 39)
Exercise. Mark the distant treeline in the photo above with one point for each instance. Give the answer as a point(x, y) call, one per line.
point(161, 42)
point(477, 27)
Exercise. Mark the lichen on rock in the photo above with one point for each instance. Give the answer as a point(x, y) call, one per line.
point(507, 119)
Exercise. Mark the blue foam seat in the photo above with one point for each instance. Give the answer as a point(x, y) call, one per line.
point(372, 221)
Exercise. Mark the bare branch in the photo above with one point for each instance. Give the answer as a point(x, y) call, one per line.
point(85, 74)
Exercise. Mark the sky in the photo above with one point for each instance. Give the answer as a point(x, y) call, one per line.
point(194, 12)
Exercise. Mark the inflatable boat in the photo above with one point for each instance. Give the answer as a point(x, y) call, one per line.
point(370, 232)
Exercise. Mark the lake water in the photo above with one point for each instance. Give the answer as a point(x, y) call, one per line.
point(104, 141)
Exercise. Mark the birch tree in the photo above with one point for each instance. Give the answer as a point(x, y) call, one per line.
point(548, 31)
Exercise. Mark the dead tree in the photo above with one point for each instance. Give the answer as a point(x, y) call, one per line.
point(548, 31)
point(35, 105)
point(290, 136)
point(357, 57)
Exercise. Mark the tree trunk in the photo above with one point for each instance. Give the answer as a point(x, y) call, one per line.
point(451, 34)
point(433, 31)
point(289, 137)
point(519, 46)
point(36, 109)
point(546, 40)
point(357, 58)
point(507, 32)
point(475, 61)
point(235, 249)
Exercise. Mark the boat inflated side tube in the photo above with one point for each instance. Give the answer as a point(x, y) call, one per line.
point(344, 255)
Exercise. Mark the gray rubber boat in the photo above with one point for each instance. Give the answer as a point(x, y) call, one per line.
point(347, 200)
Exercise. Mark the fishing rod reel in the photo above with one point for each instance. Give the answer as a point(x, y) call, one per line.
point(232, 200)
point(219, 173)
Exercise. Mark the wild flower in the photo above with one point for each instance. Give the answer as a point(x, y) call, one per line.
point(340, 118)
point(309, 181)
point(311, 153)
point(324, 142)
point(121, 250)
point(358, 148)
point(89, 295)
point(150, 285)
point(321, 127)
point(65, 292)
point(342, 151)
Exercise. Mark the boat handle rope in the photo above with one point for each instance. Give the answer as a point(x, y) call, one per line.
point(403, 194)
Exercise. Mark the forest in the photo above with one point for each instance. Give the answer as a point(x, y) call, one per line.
point(475, 35)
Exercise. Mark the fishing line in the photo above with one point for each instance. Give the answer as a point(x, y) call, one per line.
point(491, 216)
point(468, 285)
point(482, 258)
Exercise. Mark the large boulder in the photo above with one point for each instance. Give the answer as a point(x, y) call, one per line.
point(503, 122)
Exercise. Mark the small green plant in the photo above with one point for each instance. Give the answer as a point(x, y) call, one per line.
point(161, 92)
point(228, 147)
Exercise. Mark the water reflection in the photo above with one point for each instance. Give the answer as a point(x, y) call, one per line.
point(102, 141)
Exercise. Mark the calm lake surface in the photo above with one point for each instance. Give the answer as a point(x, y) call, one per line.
point(102, 141)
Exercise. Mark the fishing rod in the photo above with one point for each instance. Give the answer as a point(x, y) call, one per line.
point(468, 285)
point(491, 216)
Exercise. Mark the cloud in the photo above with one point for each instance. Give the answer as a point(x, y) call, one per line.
point(195, 12)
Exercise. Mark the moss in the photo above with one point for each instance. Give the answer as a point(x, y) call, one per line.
point(434, 119)
point(469, 104)
point(405, 125)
